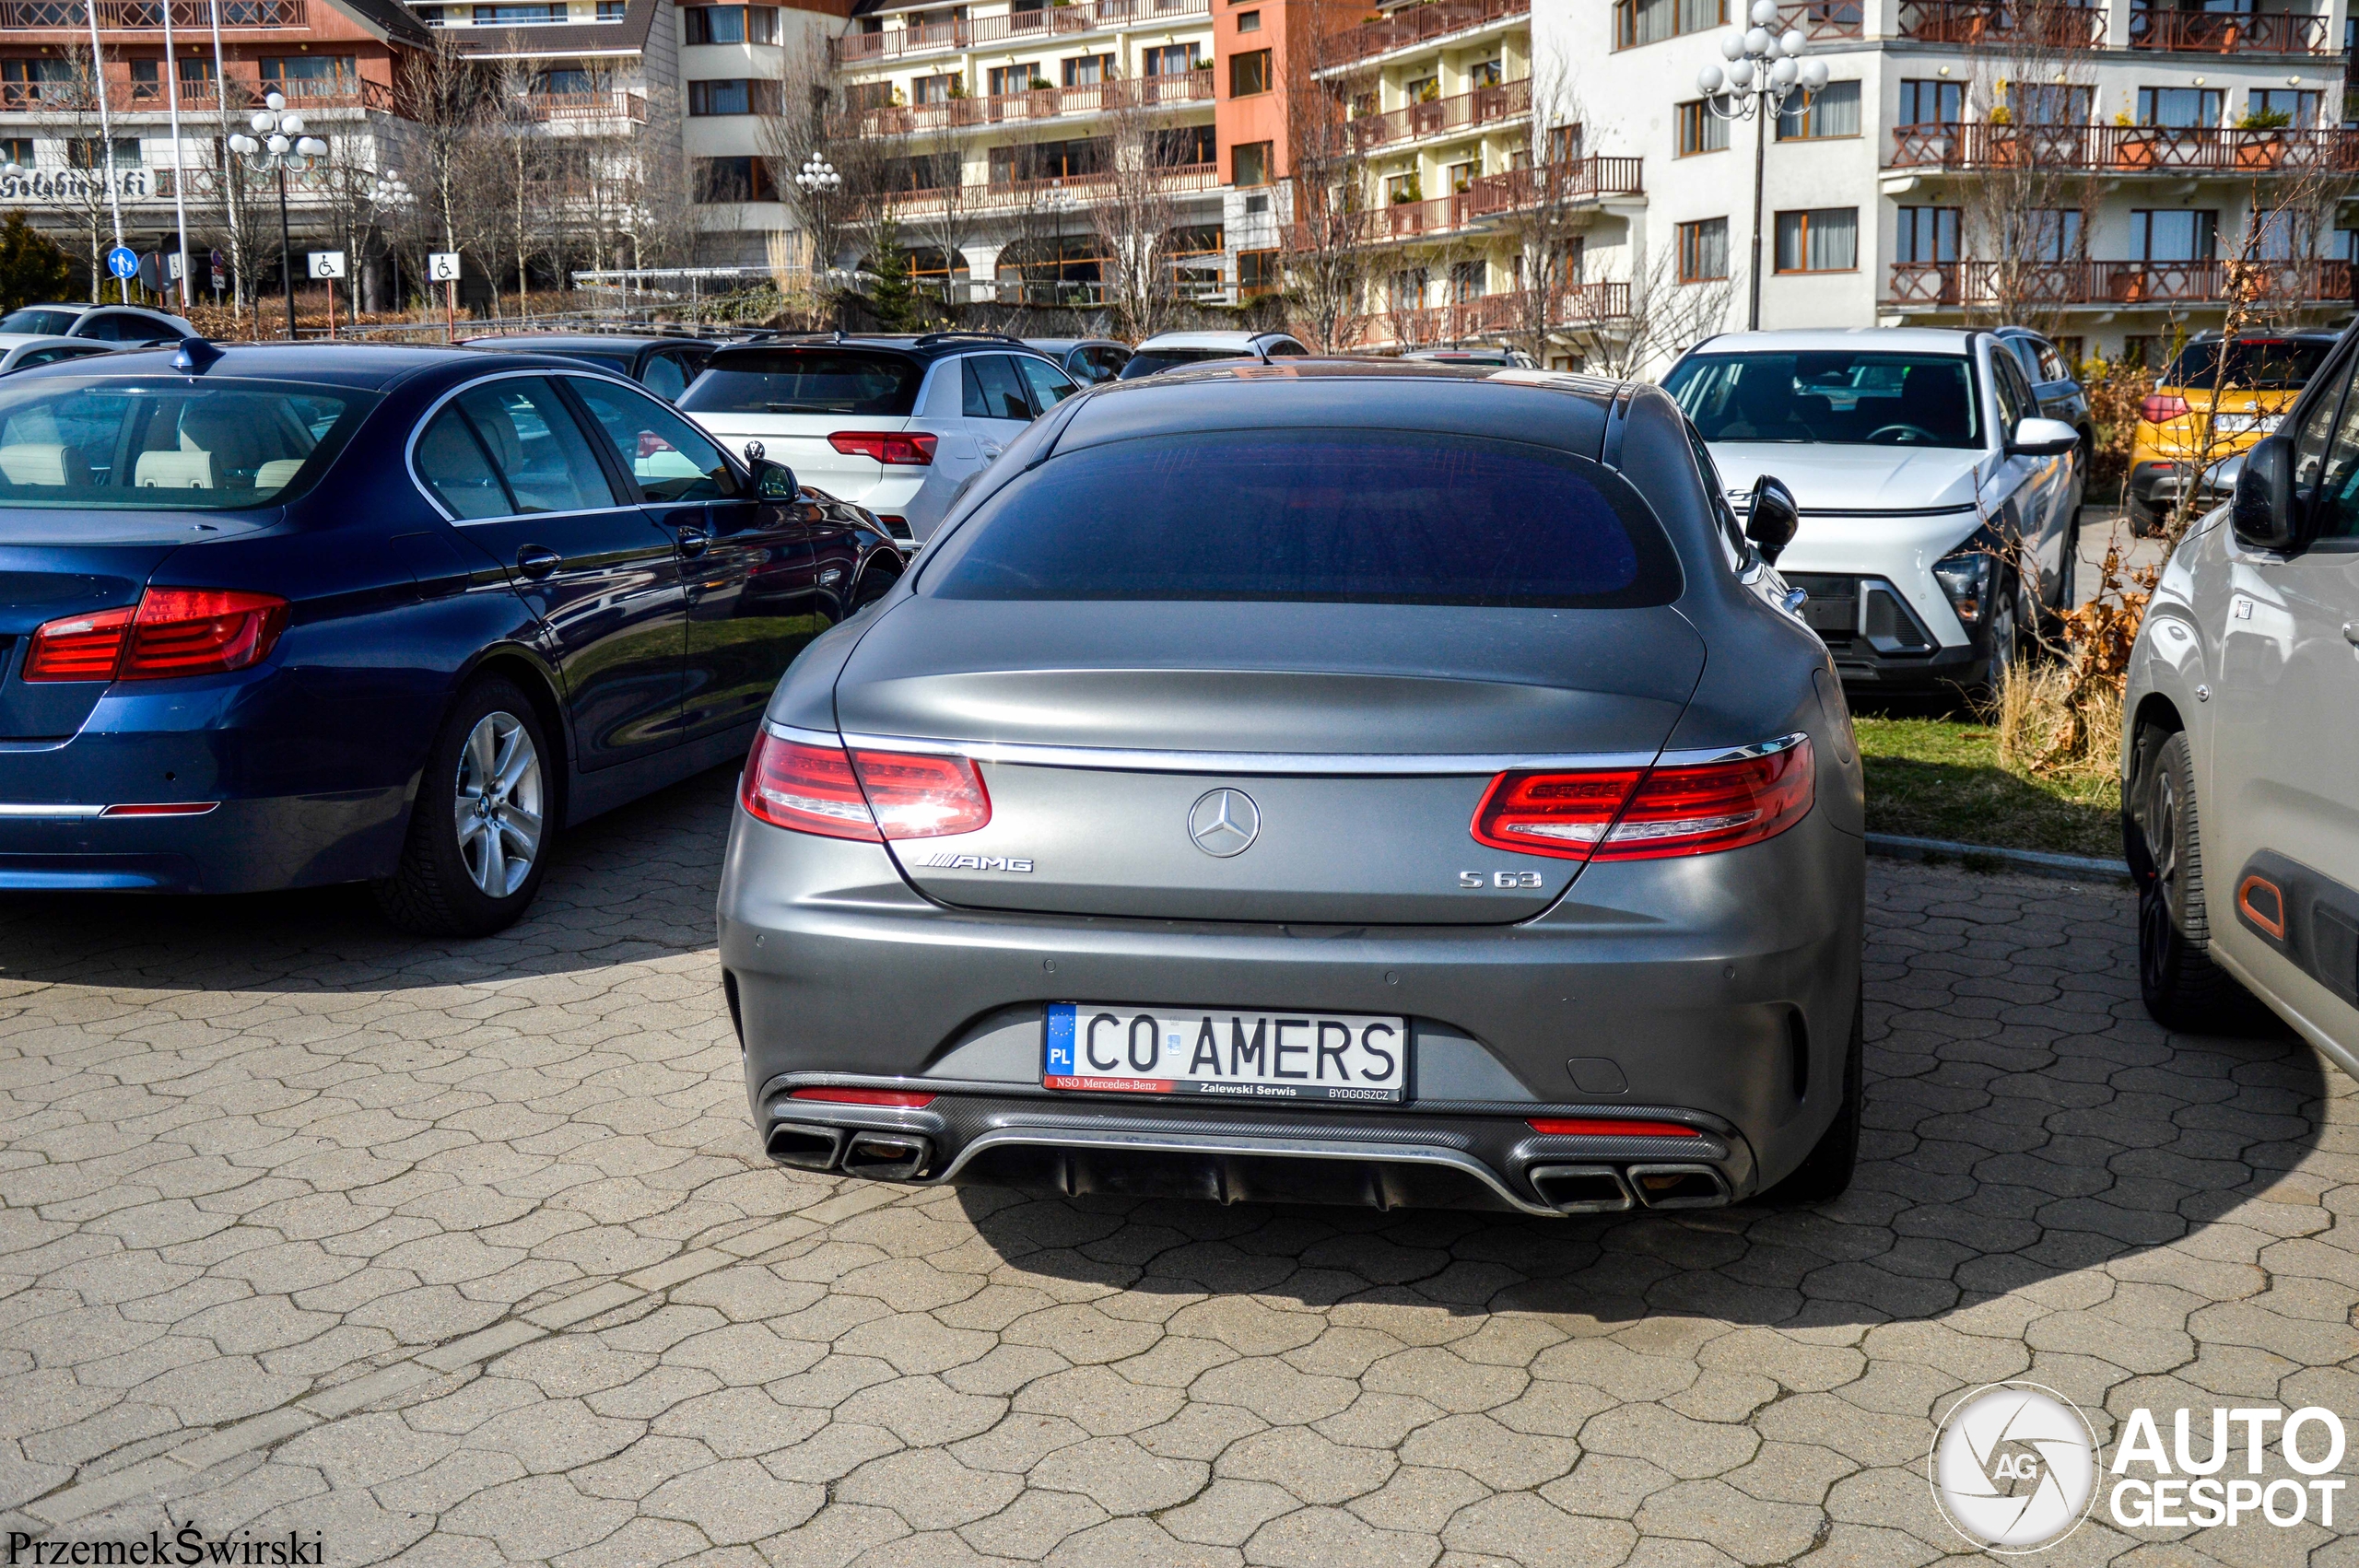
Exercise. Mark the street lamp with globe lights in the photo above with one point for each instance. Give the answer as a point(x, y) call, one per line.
point(1764, 72)
point(281, 150)
point(819, 184)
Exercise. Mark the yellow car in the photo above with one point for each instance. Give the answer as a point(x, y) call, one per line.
point(2264, 373)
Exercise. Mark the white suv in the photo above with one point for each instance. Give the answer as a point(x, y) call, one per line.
point(893, 424)
point(2244, 698)
point(1939, 508)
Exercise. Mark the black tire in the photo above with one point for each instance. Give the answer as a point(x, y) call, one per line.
point(443, 885)
point(2182, 988)
point(1825, 1172)
point(2006, 636)
point(2145, 521)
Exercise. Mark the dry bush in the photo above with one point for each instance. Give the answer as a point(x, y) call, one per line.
point(2061, 717)
point(2115, 388)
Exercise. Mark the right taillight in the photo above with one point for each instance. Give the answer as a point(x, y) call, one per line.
point(911, 448)
point(2161, 406)
point(871, 795)
point(1644, 814)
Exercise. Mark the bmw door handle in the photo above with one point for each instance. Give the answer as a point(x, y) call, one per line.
point(538, 560)
point(694, 541)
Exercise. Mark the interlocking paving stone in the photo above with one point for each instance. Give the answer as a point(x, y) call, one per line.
point(462, 1253)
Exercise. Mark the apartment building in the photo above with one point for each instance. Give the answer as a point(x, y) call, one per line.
point(2094, 166)
point(735, 63)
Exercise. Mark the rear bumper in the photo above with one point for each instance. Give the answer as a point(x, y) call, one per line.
point(1717, 991)
point(237, 847)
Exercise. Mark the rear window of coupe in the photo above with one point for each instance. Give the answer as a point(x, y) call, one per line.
point(806, 380)
point(1312, 516)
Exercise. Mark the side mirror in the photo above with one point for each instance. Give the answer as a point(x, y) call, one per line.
point(2042, 438)
point(1774, 518)
point(772, 480)
point(2262, 509)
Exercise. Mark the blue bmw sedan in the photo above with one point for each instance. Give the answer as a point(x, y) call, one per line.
point(281, 615)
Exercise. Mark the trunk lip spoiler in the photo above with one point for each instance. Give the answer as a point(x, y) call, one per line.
point(1121, 759)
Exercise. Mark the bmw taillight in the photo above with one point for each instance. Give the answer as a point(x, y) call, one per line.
point(171, 631)
point(911, 448)
point(870, 795)
point(1629, 814)
point(2161, 406)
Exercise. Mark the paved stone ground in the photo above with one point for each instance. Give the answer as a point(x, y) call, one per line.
point(466, 1256)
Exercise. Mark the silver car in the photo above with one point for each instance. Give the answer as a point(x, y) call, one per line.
point(1376, 783)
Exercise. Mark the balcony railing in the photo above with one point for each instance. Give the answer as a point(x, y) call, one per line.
point(1494, 315)
point(1480, 106)
point(1416, 24)
point(1959, 285)
point(1039, 22)
point(579, 108)
point(139, 16)
point(145, 98)
point(1825, 19)
point(2204, 32)
point(2125, 150)
point(1991, 21)
point(1044, 103)
point(1494, 197)
point(1064, 190)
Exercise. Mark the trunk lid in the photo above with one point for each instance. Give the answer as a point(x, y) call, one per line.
point(56, 564)
point(800, 441)
point(1360, 768)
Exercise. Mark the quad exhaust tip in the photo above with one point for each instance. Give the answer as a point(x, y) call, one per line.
point(1679, 1187)
point(887, 1156)
point(1581, 1189)
point(805, 1147)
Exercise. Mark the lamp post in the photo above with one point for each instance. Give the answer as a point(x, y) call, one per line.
point(282, 148)
point(390, 196)
point(819, 182)
point(1764, 72)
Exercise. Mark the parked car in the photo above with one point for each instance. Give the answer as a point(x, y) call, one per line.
point(1471, 680)
point(22, 351)
point(2240, 786)
point(2055, 386)
point(1165, 350)
point(1515, 358)
point(1938, 503)
point(283, 615)
point(895, 424)
point(107, 323)
point(2264, 373)
point(661, 363)
point(1086, 360)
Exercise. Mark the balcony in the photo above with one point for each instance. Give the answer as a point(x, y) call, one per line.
point(1494, 197)
point(127, 97)
point(2125, 150)
point(1818, 19)
point(1434, 118)
point(1976, 285)
point(1044, 103)
point(2204, 32)
point(1417, 24)
point(145, 16)
point(586, 108)
point(1040, 22)
point(1494, 315)
point(1994, 21)
point(1064, 191)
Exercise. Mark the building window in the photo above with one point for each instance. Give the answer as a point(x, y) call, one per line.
point(1001, 80)
point(1459, 178)
point(933, 89)
point(1932, 104)
point(1822, 240)
point(733, 95)
point(1700, 130)
point(1249, 164)
point(734, 179)
point(2051, 234)
point(1927, 234)
point(1249, 21)
point(610, 10)
point(1704, 250)
point(2049, 103)
point(2270, 107)
point(1400, 189)
point(1405, 290)
point(1650, 21)
point(518, 16)
point(1089, 70)
point(1249, 74)
point(2174, 234)
point(729, 24)
point(1167, 60)
point(1184, 146)
point(2180, 108)
point(1834, 112)
point(1486, 74)
point(1469, 280)
point(89, 152)
point(309, 68)
point(1257, 273)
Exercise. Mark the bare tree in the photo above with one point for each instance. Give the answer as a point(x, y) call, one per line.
point(444, 95)
point(1134, 212)
point(1553, 200)
point(2033, 194)
point(1660, 318)
point(1325, 238)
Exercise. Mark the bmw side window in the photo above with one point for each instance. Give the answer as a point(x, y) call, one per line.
point(536, 447)
point(1050, 386)
point(450, 462)
point(667, 456)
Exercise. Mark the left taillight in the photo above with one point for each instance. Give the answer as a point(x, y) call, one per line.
point(871, 795)
point(171, 631)
point(1644, 814)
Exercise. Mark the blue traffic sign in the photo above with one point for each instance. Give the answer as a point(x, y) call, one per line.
point(123, 262)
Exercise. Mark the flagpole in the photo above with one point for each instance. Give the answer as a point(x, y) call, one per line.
point(172, 98)
point(106, 135)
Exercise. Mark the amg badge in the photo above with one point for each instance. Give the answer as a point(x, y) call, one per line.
point(977, 863)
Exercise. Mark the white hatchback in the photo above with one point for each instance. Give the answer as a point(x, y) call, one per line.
point(893, 424)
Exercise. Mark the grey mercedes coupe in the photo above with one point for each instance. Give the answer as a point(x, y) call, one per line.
point(1335, 781)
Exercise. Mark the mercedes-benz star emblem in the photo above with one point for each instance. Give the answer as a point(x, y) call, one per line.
point(1224, 822)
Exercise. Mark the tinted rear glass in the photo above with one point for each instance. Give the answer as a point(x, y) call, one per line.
point(1366, 517)
point(212, 446)
point(2277, 363)
point(1155, 359)
point(806, 380)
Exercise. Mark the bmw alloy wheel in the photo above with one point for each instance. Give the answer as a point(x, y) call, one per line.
point(498, 807)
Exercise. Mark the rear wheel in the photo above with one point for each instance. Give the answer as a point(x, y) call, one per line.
point(1825, 1172)
point(479, 833)
point(2180, 985)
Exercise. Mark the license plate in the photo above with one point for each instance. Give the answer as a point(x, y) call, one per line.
point(2245, 424)
point(1106, 1048)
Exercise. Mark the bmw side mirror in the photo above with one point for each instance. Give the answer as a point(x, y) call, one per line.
point(2262, 509)
point(1773, 520)
point(2042, 438)
point(774, 481)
